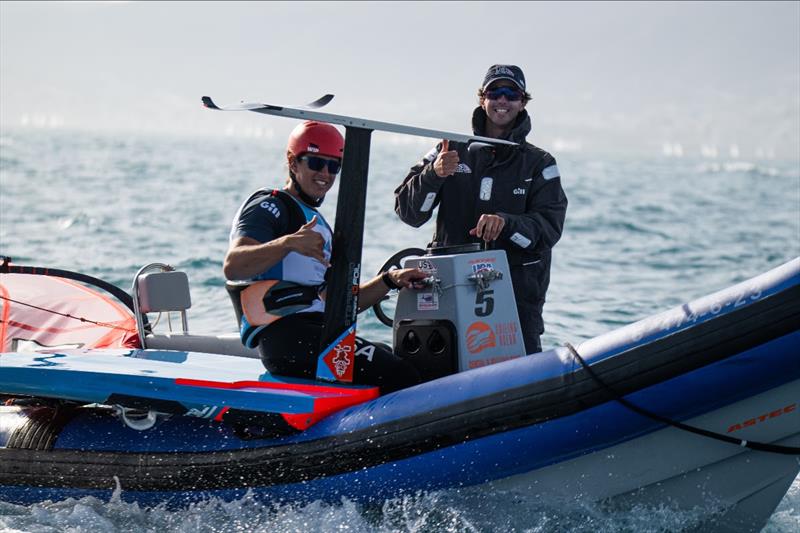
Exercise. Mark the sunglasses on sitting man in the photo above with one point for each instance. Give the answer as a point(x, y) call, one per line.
point(317, 163)
point(512, 95)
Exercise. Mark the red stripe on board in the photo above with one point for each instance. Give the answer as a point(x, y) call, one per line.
point(296, 387)
point(330, 400)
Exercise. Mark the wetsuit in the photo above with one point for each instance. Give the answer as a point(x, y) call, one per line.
point(522, 184)
point(289, 341)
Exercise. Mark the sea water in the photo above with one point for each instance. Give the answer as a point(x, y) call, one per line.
point(642, 235)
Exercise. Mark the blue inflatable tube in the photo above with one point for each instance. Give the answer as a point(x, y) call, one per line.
point(729, 362)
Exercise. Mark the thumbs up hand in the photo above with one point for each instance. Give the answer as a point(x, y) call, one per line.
point(306, 241)
point(446, 162)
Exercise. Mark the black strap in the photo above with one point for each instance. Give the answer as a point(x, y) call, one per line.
point(296, 216)
point(760, 446)
point(277, 298)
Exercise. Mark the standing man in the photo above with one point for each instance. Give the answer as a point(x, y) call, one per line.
point(506, 196)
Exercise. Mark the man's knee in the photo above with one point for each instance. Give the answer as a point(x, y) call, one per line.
point(377, 365)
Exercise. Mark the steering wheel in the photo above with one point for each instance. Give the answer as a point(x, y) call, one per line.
point(393, 263)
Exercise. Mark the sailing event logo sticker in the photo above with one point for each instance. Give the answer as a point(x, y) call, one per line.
point(341, 360)
point(480, 337)
point(338, 362)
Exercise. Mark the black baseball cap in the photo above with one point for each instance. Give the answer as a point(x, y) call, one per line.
point(504, 72)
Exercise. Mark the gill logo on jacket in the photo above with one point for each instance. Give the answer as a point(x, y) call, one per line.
point(271, 208)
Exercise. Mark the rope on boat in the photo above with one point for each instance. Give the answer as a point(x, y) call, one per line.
point(67, 315)
point(760, 446)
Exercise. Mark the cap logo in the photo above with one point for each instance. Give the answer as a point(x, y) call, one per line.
point(509, 72)
point(312, 148)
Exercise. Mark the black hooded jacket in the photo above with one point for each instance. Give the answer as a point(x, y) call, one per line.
point(520, 183)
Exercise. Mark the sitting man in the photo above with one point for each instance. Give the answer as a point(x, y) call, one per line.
point(281, 244)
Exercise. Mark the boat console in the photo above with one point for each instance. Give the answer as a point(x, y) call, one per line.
point(465, 317)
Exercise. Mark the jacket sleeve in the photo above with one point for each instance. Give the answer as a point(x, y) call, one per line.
point(416, 197)
point(540, 227)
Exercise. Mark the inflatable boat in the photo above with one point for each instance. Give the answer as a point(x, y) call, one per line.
point(695, 406)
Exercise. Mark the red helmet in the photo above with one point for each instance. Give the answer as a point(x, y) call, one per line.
point(316, 138)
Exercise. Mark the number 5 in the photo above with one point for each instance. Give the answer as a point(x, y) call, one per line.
point(484, 303)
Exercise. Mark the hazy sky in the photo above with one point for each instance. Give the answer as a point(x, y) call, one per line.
point(622, 77)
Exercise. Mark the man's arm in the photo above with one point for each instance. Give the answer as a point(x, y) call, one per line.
point(416, 197)
point(370, 292)
point(247, 257)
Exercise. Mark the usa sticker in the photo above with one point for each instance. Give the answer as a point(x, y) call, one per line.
point(427, 267)
point(479, 267)
point(427, 301)
point(486, 189)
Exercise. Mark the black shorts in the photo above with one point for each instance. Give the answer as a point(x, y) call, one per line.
point(290, 347)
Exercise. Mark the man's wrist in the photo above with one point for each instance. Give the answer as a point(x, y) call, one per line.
point(389, 282)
